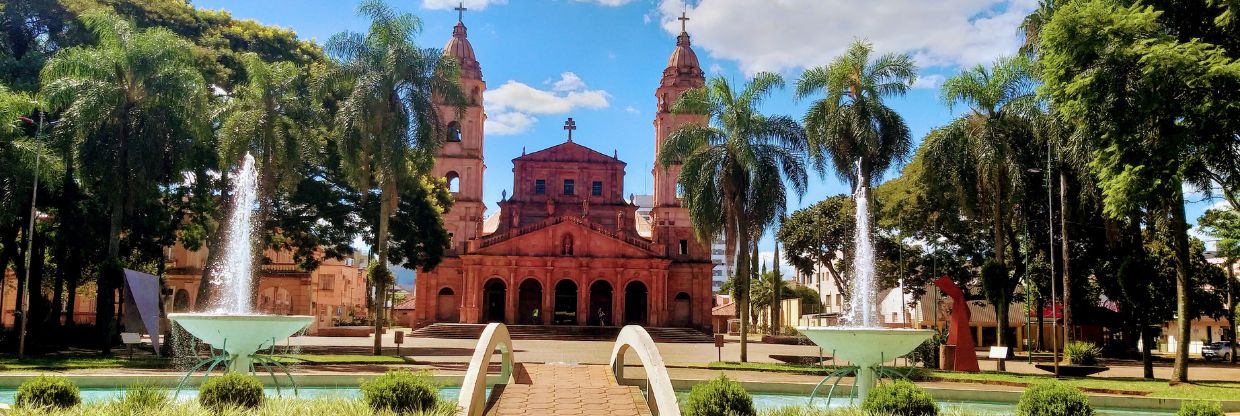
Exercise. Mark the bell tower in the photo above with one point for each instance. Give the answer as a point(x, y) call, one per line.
point(671, 221)
point(459, 161)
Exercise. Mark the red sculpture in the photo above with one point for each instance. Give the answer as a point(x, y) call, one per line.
point(958, 332)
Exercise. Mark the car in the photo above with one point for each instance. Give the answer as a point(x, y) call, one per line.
point(1220, 350)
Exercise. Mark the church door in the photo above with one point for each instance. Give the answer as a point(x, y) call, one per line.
point(446, 309)
point(529, 301)
point(680, 310)
point(565, 303)
point(635, 302)
point(493, 294)
point(600, 304)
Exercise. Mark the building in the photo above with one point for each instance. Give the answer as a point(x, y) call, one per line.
point(566, 247)
point(334, 293)
point(718, 248)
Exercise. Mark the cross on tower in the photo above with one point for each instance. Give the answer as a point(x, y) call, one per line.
point(570, 125)
point(683, 18)
point(460, 11)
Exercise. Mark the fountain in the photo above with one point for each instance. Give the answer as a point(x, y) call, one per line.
point(861, 340)
point(232, 326)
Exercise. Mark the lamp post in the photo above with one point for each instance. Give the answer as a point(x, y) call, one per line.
point(34, 194)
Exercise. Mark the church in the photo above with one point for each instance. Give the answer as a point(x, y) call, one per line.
point(567, 247)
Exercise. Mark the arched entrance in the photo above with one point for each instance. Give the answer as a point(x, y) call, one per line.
point(493, 293)
point(529, 301)
point(180, 301)
point(565, 303)
point(680, 310)
point(600, 300)
point(446, 309)
point(635, 295)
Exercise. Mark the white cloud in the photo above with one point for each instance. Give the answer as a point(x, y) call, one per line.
point(469, 4)
point(513, 106)
point(632, 110)
point(931, 81)
point(608, 3)
point(569, 82)
point(801, 33)
point(716, 69)
point(506, 124)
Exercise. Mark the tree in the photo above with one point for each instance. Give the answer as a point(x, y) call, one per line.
point(976, 154)
point(851, 125)
point(388, 125)
point(1157, 98)
point(133, 103)
point(813, 235)
point(270, 117)
point(1225, 226)
point(733, 170)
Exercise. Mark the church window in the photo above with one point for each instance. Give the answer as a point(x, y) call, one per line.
point(568, 187)
point(684, 247)
point(454, 131)
point(454, 181)
point(596, 188)
point(540, 186)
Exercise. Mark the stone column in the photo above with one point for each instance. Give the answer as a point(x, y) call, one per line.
point(510, 304)
point(548, 301)
point(583, 300)
point(618, 296)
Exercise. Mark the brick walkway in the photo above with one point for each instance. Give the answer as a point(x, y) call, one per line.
point(566, 389)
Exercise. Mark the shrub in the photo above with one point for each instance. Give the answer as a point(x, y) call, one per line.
point(1199, 408)
point(1053, 399)
point(47, 391)
point(143, 396)
point(400, 391)
point(1082, 353)
point(900, 398)
point(719, 397)
point(231, 390)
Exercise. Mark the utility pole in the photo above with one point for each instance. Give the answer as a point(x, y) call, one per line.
point(34, 194)
point(1050, 209)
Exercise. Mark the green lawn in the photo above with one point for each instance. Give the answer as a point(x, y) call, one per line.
point(77, 363)
point(1207, 390)
point(62, 363)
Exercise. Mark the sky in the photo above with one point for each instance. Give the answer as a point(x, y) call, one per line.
point(599, 62)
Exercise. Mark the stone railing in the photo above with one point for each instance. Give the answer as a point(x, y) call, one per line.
point(473, 397)
point(659, 393)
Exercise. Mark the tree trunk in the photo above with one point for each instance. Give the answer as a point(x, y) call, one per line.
point(1001, 316)
point(742, 280)
point(1065, 253)
point(106, 293)
point(1147, 347)
point(387, 201)
point(1231, 307)
point(1183, 280)
point(19, 272)
point(777, 294)
point(1000, 246)
point(71, 299)
point(8, 251)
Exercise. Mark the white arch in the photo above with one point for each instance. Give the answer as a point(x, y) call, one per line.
point(473, 397)
point(659, 392)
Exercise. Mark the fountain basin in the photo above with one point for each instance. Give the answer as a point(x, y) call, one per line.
point(241, 335)
point(865, 347)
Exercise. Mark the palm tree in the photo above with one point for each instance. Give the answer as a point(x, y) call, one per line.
point(270, 118)
point(733, 170)
point(851, 123)
point(388, 125)
point(133, 102)
point(976, 152)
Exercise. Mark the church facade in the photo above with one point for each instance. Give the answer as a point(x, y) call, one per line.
point(567, 247)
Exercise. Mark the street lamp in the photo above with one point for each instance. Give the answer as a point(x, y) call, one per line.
point(34, 194)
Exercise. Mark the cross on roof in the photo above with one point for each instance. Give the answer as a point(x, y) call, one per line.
point(683, 18)
point(570, 125)
point(460, 11)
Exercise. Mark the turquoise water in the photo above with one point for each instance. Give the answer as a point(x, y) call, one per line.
point(761, 401)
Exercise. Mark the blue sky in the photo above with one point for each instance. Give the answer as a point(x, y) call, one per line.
point(599, 61)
